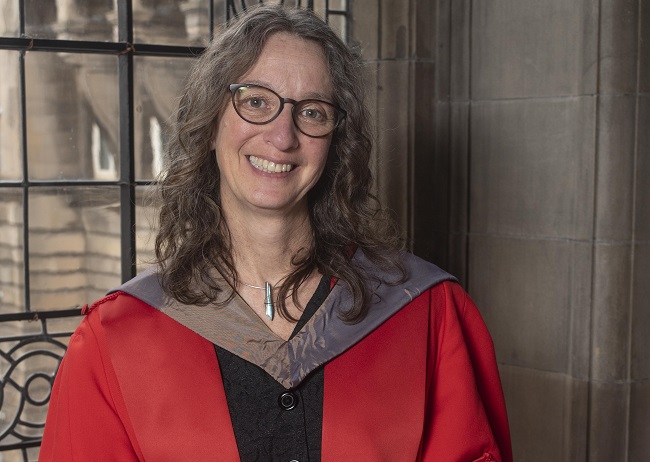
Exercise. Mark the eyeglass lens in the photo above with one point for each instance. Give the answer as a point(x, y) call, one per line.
point(259, 105)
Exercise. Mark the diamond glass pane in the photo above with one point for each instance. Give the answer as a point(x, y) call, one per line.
point(71, 19)
point(74, 252)
point(172, 22)
point(158, 83)
point(12, 280)
point(146, 225)
point(319, 7)
point(72, 116)
point(338, 23)
point(9, 19)
point(11, 165)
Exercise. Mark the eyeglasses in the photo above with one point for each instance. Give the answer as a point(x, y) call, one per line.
point(258, 105)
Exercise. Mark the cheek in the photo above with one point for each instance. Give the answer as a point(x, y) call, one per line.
point(229, 138)
point(322, 154)
point(231, 128)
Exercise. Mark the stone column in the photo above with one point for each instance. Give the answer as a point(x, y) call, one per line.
point(550, 212)
point(397, 40)
point(619, 423)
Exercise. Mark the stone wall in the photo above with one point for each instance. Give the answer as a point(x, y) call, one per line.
point(513, 146)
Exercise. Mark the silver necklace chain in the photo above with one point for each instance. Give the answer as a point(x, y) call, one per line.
point(252, 286)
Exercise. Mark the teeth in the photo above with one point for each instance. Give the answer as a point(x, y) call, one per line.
point(268, 167)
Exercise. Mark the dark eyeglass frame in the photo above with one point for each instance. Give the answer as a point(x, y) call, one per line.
point(340, 113)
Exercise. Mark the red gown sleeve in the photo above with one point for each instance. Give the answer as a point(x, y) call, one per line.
point(466, 416)
point(85, 392)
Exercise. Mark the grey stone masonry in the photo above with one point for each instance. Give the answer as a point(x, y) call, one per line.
point(513, 145)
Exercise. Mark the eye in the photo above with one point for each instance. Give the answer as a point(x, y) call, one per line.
point(255, 102)
point(314, 112)
point(311, 113)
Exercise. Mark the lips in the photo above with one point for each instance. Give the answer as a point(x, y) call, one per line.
point(269, 167)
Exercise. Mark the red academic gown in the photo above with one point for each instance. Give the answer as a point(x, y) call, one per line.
point(136, 385)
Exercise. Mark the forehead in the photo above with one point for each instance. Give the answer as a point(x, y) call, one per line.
point(292, 66)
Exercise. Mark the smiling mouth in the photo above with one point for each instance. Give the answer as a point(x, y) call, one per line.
point(269, 167)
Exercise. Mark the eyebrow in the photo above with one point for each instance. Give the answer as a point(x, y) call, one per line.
point(309, 95)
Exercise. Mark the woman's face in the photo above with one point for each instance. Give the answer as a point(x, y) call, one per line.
point(293, 68)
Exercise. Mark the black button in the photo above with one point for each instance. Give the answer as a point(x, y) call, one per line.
point(287, 401)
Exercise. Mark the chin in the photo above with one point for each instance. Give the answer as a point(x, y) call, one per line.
point(279, 204)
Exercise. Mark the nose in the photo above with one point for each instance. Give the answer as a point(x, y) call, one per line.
point(282, 132)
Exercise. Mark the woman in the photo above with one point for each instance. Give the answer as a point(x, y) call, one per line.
point(281, 321)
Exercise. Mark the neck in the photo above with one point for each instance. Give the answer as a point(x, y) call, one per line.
point(264, 245)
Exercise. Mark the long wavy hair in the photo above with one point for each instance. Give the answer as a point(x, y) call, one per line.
point(193, 240)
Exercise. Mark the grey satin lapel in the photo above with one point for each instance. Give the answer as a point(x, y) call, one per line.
point(237, 328)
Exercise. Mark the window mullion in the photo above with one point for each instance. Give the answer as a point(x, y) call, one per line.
point(126, 128)
point(211, 13)
point(25, 179)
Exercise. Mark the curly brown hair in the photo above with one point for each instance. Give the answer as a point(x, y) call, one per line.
point(194, 240)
